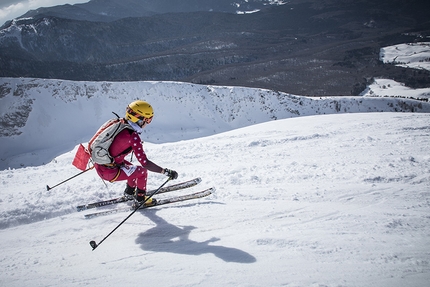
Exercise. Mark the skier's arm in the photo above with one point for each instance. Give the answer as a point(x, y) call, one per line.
point(137, 147)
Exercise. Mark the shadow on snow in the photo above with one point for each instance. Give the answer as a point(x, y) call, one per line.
point(166, 237)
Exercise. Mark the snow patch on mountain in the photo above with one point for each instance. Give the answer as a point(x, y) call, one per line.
point(409, 55)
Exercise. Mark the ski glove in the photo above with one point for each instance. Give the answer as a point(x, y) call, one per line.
point(170, 173)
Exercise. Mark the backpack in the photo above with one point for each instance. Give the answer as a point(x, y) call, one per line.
point(98, 146)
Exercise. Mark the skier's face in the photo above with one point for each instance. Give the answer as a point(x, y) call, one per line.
point(144, 122)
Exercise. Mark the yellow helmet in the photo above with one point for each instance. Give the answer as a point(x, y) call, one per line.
point(139, 110)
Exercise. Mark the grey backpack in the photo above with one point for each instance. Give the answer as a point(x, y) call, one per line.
point(99, 144)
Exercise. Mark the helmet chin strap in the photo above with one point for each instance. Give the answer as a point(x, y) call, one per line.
point(136, 127)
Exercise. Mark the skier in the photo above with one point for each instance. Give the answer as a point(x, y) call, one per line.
point(138, 114)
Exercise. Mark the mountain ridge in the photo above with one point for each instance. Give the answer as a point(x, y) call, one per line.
point(301, 47)
point(112, 10)
point(54, 108)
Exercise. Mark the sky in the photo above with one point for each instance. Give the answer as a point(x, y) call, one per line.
point(10, 9)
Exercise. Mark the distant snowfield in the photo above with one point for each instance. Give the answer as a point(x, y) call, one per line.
point(390, 88)
point(411, 55)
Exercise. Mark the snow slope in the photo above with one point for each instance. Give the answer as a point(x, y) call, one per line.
point(330, 200)
point(45, 118)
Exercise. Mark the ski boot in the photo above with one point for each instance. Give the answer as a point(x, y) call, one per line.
point(129, 192)
point(140, 196)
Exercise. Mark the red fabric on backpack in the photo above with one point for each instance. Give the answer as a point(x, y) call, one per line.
point(81, 158)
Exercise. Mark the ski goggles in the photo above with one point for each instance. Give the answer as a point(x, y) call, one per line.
point(140, 117)
point(144, 122)
point(148, 120)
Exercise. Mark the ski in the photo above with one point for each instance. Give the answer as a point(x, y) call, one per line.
point(164, 201)
point(178, 186)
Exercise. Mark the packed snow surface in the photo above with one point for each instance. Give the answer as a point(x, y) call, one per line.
point(334, 200)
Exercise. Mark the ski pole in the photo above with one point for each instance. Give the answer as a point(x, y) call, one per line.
point(48, 188)
point(94, 245)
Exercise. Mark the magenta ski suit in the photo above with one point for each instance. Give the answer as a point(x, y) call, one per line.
point(124, 143)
